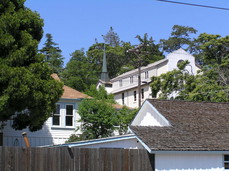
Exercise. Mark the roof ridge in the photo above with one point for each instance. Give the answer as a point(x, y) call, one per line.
point(178, 100)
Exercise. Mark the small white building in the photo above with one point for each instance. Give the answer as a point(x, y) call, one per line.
point(125, 86)
point(57, 129)
point(181, 135)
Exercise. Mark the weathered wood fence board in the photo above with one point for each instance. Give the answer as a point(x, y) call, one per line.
point(74, 159)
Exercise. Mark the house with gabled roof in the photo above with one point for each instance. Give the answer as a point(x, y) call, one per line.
point(57, 129)
point(180, 135)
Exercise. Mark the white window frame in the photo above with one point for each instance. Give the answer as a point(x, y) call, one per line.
point(66, 115)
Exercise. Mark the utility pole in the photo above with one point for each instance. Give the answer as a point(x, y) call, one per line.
point(137, 52)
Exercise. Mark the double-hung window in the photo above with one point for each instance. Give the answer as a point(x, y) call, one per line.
point(135, 96)
point(226, 161)
point(123, 98)
point(142, 93)
point(56, 116)
point(69, 115)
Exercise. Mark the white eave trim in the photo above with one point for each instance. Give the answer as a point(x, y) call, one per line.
point(99, 141)
point(188, 152)
point(135, 71)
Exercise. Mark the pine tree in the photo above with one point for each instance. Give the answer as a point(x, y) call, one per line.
point(52, 54)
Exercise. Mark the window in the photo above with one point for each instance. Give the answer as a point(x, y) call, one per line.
point(120, 83)
point(69, 115)
point(123, 96)
point(226, 161)
point(146, 74)
point(131, 79)
point(180, 61)
point(135, 95)
point(142, 93)
point(56, 116)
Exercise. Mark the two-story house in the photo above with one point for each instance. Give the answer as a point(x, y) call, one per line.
point(125, 86)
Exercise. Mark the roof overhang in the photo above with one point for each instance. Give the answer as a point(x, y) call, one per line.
point(99, 141)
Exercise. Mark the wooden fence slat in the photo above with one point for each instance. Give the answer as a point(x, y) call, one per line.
point(76, 152)
point(75, 159)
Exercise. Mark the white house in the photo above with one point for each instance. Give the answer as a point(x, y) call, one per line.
point(125, 86)
point(57, 129)
point(182, 135)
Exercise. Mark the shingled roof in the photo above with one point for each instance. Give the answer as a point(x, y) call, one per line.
point(195, 126)
point(70, 93)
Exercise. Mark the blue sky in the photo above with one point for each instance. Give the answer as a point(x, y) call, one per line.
point(75, 24)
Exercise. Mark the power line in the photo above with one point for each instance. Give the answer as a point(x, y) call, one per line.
point(197, 5)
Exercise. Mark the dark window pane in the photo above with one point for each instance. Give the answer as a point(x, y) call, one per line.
point(135, 95)
point(69, 109)
point(68, 120)
point(142, 93)
point(123, 96)
point(56, 120)
point(226, 165)
point(226, 157)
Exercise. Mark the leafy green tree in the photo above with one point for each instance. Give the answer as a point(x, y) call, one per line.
point(150, 52)
point(100, 94)
point(78, 73)
point(27, 92)
point(97, 118)
point(124, 118)
point(52, 55)
point(180, 38)
point(115, 58)
point(206, 86)
point(212, 52)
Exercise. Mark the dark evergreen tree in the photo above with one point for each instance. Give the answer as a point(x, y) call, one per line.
point(27, 92)
point(52, 54)
point(111, 38)
point(79, 73)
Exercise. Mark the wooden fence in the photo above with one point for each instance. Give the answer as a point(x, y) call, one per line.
point(74, 159)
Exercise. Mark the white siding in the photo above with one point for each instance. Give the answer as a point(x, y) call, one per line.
point(180, 54)
point(189, 162)
point(49, 134)
point(149, 116)
point(155, 69)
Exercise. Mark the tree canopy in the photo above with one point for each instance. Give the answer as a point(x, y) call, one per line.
point(180, 38)
point(52, 54)
point(99, 116)
point(79, 73)
point(111, 38)
point(27, 92)
point(211, 84)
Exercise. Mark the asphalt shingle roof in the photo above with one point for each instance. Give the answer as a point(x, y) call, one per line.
point(70, 93)
point(195, 126)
